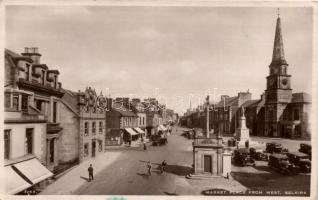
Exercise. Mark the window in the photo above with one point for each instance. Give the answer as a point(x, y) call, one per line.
point(285, 115)
point(86, 128)
point(25, 103)
point(85, 149)
point(38, 104)
point(101, 127)
point(55, 112)
point(100, 145)
point(143, 121)
point(94, 128)
point(7, 100)
point(7, 137)
point(29, 140)
point(16, 102)
point(52, 150)
point(296, 114)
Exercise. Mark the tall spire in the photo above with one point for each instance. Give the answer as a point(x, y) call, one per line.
point(278, 51)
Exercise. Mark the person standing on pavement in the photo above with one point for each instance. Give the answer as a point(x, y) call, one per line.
point(90, 173)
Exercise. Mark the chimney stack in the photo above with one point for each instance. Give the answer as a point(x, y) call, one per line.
point(33, 53)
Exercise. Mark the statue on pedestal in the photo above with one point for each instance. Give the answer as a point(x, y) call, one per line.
point(242, 133)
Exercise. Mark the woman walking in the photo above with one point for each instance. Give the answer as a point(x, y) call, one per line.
point(149, 168)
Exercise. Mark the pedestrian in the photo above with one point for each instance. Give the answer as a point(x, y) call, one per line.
point(145, 146)
point(163, 166)
point(90, 173)
point(149, 168)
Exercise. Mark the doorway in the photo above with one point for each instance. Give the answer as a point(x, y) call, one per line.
point(207, 163)
point(93, 148)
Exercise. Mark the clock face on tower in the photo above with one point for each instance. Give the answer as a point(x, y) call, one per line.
point(284, 83)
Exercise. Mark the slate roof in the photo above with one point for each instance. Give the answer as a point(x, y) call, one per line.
point(15, 55)
point(123, 110)
point(301, 97)
point(230, 101)
point(251, 103)
point(70, 99)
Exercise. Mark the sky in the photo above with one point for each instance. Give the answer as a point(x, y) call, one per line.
point(172, 53)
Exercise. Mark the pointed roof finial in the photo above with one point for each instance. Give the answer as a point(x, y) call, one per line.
point(278, 12)
point(278, 50)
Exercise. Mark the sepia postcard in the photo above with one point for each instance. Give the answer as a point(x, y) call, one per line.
point(129, 100)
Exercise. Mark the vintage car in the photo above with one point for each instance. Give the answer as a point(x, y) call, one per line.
point(301, 160)
point(280, 163)
point(158, 140)
point(305, 148)
point(258, 154)
point(242, 157)
point(273, 147)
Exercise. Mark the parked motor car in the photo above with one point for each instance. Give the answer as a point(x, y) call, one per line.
point(242, 157)
point(280, 163)
point(305, 148)
point(274, 147)
point(301, 160)
point(258, 154)
point(158, 140)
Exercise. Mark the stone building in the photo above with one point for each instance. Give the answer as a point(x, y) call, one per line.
point(121, 121)
point(154, 115)
point(83, 118)
point(140, 110)
point(31, 121)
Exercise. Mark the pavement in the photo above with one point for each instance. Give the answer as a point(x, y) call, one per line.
point(78, 176)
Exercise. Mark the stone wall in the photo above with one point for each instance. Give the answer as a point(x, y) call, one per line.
point(68, 147)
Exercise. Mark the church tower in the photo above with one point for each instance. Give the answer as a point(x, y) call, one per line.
point(278, 91)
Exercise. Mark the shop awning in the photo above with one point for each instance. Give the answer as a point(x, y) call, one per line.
point(162, 128)
point(139, 130)
point(131, 131)
point(14, 183)
point(33, 170)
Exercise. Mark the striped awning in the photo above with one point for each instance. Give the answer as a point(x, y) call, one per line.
point(139, 130)
point(131, 131)
point(14, 183)
point(33, 170)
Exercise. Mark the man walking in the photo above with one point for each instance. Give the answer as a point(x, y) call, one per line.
point(90, 173)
